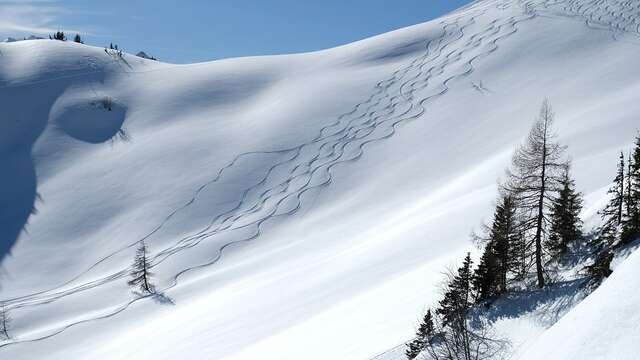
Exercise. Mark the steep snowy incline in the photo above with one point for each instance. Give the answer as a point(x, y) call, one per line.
point(289, 202)
point(603, 326)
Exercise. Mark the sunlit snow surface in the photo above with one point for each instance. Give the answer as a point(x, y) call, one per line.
point(299, 206)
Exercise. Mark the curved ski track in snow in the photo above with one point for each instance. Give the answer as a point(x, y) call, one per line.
point(370, 121)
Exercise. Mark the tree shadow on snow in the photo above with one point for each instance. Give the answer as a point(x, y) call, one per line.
point(25, 112)
point(157, 297)
point(163, 299)
point(545, 305)
point(20, 125)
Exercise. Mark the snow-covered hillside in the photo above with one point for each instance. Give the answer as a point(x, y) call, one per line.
point(603, 326)
point(299, 206)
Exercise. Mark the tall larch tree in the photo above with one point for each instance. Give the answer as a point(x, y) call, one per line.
point(5, 321)
point(140, 271)
point(536, 174)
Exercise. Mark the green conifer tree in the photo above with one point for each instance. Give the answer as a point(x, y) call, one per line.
point(484, 277)
point(612, 213)
point(566, 225)
point(457, 300)
point(631, 222)
point(423, 336)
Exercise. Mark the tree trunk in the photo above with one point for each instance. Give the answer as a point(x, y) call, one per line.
point(538, 239)
point(620, 206)
point(146, 283)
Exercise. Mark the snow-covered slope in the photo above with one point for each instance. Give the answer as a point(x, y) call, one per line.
point(606, 325)
point(297, 206)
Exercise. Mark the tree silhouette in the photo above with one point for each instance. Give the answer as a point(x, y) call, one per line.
point(140, 274)
point(537, 172)
point(5, 321)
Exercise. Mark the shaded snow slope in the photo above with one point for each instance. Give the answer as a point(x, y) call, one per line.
point(290, 202)
point(606, 325)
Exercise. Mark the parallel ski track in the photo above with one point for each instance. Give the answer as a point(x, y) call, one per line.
point(623, 17)
point(373, 101)
point(378, 112)
point(616, 16)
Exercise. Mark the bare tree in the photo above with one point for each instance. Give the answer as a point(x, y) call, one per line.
point(468, 343)
point(5, 321)
point(537, 172)
point(140, 274)
point(449, 333)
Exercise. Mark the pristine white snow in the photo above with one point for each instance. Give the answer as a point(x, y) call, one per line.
point(298, 206)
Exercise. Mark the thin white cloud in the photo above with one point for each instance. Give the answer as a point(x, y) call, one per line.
point(23, 18)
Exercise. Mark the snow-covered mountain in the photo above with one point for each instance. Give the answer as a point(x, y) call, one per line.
point(299, 206)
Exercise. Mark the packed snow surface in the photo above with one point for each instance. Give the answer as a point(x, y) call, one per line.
point(299, 206)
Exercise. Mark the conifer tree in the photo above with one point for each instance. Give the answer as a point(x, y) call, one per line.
point(454, 337)
point(501, 255)
point(628, 201)
point(413, 349)
point(613, 211)
point(600, 269)
point(566, 225)
point(484, 277)
point(520, 255)
point(5, 322)
point(59, 35)
point(457, 300)
point(631, 221)
point(454, 308)
point(536, 174)
point(505, 237)
point(423, 336)
point(140, 274)
point(448, 333)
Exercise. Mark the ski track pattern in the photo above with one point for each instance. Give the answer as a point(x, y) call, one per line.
point(616, 16)
point(331, 146)
point(371, 102)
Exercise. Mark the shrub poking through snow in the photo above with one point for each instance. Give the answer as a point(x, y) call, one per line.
point(107, 103)
point(600, 269)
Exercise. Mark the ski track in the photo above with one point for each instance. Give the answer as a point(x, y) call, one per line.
point(233, 211)
point(348, 130)
point(296, 150)
point(596, 17)
point(616, 16)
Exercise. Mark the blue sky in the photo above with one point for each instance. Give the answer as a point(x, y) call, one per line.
point(199, 30)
